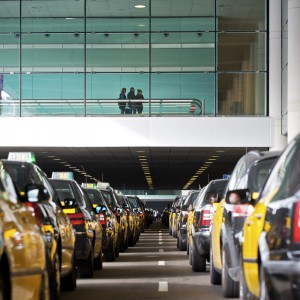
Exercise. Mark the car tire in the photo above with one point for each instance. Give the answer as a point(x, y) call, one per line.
point(215, 276)
point(68, 283)
point(198, 261)
point(131, 241)
point(109, 254)
point(230, 288)
point(98, 261)
point(44, 293)
point(187, 247)
point(117, 249)
point(190, 255)
point(4, 290)
point(181, 245)
point(86, 267)
point(170, 230)
point(54, 279)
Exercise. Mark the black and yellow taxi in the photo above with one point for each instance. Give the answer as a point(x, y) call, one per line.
point(106, 218)
point(271, 234)
point(76, 204)
point(112, 201)
point(199, 242)
point(23, 264)
point(139, 209)
point(246, 180)
point(56, 225)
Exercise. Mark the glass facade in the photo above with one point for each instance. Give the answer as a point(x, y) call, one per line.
point(73, 57)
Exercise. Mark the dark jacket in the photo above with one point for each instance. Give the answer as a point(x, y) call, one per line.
point(131, 95)
point(122, 104)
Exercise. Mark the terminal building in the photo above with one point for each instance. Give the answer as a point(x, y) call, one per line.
point(216, 76)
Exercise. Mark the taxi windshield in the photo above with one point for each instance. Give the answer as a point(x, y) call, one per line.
point(95, 196)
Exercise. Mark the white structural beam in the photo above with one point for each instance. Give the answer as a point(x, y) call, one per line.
point(137, 132)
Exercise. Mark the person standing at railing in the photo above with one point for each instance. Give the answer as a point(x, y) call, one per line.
point(122, 104)
point(139, 105)
point(131, 105)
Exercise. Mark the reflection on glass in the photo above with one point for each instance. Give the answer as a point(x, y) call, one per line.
point(241, 94)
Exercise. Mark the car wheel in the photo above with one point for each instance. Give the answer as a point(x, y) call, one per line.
point(86, 267)
point(190, 254)
point(230, 288)
point(68, 283)
point(117, 249)
point(170, 230)
point(131, 241)
point(215, 276)
point(44, 293)
point(98, 262)
point(187, 247)
point(198, 261)
point(54, 279)
point(109, 254)
point(4, 287)
point(181, 245)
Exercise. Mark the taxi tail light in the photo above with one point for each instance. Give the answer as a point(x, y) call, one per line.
point(34, 209)
point(296, 226)
point(206, 215)
point(76, 219)
point(102, 219)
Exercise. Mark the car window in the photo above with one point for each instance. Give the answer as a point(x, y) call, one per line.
point(22, 174)
point(190, 199)
point(109, 199)
point(285, 175)
point(259, 173)
point(64, 190)
point(95, 196)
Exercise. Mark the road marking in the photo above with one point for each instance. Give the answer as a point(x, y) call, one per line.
point(163, 286)
point(161, 263)
point(161, 250)
point(160, 243)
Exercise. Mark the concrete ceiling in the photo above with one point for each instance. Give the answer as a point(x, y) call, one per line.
point(170, 168)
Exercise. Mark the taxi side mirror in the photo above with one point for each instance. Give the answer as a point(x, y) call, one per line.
point(36, 193)
point(236, 197)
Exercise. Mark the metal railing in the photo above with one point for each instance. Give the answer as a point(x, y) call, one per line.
point(95, 107)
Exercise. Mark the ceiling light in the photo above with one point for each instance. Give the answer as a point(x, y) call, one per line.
point(212, 159)
point(140, 151)
point(215, 156)
point(220, 151)
point(72, 167)
point(51, 156)
point(140, 6)
point(67, 165)
point(140, 25)
point(56, 159)
point(142, 156)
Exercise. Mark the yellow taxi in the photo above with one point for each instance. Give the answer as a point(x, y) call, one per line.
point(106, 218)
point(56, 224)
point(77, 205)
point(215, 244)
point(258, 222)
point(23, 266)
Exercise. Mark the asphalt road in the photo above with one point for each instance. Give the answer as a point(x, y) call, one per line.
point(152, 269)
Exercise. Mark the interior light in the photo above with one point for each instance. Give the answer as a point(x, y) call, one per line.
point(56, 159)
point(140, 6)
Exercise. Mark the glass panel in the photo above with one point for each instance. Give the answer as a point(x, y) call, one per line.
point(284, 12)
point(37, 16)
point(183, 52)
point(179, 8)
point(52, 94)
point(284, 43)
point(9, 58)
point(242, 94)
point(241, 15)
point(242, 52)
point(9, 16)
point(103, 91)
point(184, 86)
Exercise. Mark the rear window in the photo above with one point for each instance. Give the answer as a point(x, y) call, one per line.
point(215, 191)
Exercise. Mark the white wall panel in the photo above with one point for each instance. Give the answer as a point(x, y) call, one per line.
point(137, 131)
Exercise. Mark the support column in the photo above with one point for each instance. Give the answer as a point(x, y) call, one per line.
point(275, 73)
point(293, 68)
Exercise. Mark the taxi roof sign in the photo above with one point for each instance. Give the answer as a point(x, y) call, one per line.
point(22, 156)
point(62, 175)
point(89, 185)
point(103, 185)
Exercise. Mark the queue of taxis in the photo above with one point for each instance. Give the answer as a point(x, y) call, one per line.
point(51, 230)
